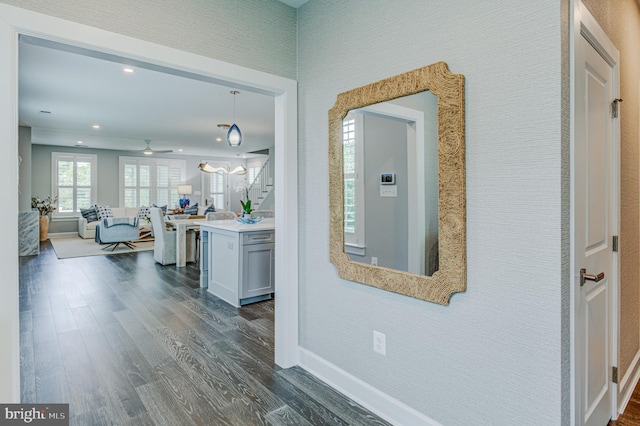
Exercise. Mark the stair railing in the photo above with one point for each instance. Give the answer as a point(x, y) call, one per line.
point(260, 186)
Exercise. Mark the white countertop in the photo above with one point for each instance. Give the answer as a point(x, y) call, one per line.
point(267, 224)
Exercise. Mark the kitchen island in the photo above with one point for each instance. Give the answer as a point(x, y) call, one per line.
point(237, 260)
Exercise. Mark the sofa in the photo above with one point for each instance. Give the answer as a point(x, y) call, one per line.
point(88, 229)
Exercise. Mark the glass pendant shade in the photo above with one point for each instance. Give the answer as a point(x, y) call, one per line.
point(234, 136)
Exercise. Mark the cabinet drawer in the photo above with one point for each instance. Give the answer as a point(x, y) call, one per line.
point(258, 237)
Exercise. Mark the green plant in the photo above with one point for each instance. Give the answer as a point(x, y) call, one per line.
point(246, 206)
point(246, 203)
point(44, 206)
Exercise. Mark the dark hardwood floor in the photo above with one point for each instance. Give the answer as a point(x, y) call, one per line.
point(126, 341)
point(631, 415)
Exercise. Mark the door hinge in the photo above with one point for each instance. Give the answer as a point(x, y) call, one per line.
point(614, 374)
point(615, 243)
point(614, 107)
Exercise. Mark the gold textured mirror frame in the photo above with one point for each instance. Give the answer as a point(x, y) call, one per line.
point(451, 275)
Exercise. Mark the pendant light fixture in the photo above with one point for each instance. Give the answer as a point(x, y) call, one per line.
point(234, 135)
point(222, 127)
point(208, 168)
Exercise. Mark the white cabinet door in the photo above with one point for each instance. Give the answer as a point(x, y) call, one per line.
point(257, 270)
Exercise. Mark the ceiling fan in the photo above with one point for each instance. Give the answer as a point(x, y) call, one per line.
point(149, 151)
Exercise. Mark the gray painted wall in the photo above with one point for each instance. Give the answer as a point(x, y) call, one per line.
point(494, 355)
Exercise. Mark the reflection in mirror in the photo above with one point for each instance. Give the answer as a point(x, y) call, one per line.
point(381, 215)
point(390, 162)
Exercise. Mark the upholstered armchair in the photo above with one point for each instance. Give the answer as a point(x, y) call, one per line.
point(164, 248)
point(117, 230)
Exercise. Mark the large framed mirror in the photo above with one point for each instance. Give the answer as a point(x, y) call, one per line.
point(397, 184)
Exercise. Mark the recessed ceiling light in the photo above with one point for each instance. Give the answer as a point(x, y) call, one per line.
point(96, 126)
point(180, 150)
point(128, 70)
point(79, 143)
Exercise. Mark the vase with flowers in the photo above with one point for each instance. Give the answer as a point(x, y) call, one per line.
point(44, 206)
point(245, 203)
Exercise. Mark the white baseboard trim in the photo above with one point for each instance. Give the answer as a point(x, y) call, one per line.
point(383, 405)
point(628, 383)
point(62, 234)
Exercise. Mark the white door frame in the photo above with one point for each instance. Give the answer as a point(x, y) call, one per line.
point(14, 22)
point(585, 25)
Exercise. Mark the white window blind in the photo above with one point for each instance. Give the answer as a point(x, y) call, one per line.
point(148, 181)
point(353, 156)
point(74, 181)
point(253, 168)
point(216, 187)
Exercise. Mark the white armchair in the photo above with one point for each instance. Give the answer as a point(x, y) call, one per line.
point(164, 248)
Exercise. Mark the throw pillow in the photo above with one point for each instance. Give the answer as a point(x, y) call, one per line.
point(144, 212)
point(163, 208)
point(210, 209)
point(191, 210)
point(90, 214)
point(104, 212)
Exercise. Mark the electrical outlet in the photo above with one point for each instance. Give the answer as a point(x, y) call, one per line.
point(374, 261)
point(379, 343)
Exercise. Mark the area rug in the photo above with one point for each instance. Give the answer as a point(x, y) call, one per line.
point(79, 247)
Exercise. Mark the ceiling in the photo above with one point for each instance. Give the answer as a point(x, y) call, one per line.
point(65, 91)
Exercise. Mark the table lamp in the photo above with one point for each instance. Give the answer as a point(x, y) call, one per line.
point(184, 190)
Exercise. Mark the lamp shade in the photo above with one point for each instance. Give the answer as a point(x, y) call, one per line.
point(184, 189)
point(234, 136)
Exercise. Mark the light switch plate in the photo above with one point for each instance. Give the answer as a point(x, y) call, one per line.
point(388, 191)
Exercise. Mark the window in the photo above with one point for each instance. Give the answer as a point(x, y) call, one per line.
point(253, 168)
point(353, 155)
point(216, 187)
point(148, 181)
point(74, 181)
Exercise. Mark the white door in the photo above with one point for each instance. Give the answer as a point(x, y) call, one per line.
point(595, 218)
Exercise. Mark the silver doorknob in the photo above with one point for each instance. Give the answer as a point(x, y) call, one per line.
point(584, 277)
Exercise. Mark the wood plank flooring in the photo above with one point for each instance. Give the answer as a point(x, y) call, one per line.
point(126, 341)
point(631, 415)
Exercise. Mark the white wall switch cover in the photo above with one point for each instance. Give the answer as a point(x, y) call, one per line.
point(379, 342)
point(388, 191)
